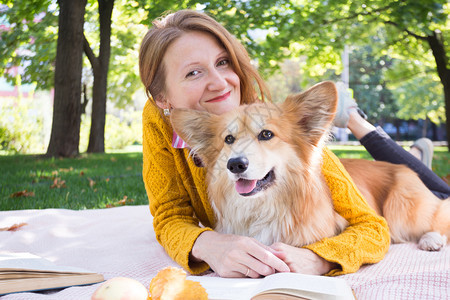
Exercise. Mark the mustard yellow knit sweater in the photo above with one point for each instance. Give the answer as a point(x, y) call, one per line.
point(178, 200)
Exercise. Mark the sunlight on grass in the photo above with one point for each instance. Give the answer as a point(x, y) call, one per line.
point(89, 181)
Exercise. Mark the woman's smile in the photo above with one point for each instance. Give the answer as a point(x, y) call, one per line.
point(220, 98)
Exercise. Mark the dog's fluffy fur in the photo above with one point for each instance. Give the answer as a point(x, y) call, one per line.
point(264, 174)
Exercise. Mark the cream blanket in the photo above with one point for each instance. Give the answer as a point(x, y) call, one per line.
point(121, 242)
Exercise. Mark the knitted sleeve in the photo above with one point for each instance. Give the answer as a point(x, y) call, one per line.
point(175, 225)
point(366, 239)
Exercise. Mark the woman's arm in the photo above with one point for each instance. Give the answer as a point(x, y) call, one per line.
point(366, 239)
point(176, 227)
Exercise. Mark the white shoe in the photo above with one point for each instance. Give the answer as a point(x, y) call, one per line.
point(425, 146)
point(345, 104)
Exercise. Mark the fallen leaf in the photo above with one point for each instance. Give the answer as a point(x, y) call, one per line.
point(122, 202)
point(13, 227)
point(91, 182)
point(113, 159)
point(81, 173)
point(58, 183)
point(23, 193)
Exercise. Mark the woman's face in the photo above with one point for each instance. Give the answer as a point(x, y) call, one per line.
point(199, 75)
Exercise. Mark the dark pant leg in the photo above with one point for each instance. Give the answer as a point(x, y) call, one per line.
point(383, 148)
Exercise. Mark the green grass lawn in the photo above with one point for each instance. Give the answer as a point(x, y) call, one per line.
point(89, 181)
point(102, 180)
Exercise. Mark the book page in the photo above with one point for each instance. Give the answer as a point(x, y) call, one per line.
point(36, 284)
point(308, 286)
point(227, 288)
point(29, 262)
point(27, 272)
point(299, 285)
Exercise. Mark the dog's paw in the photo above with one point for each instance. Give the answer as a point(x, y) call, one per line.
point(432, 241)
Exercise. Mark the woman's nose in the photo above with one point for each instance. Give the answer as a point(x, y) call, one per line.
point(217, 80)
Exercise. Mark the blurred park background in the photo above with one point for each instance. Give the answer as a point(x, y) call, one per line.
point(70, 88)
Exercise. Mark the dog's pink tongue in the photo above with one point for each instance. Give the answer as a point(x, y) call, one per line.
point(244, 186)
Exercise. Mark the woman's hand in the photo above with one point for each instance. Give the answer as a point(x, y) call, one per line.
point(236, 256)
point(302, 260)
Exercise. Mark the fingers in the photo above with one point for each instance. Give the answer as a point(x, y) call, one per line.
point(249, 272)
point(278, 251)
point(269, 262)
point(258, 258)
point(254, 268)
point(244, 271)
point(302, 260)
point(247, 259)
point(237, 256)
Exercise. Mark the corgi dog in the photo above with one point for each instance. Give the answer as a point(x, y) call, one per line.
point(263, 171)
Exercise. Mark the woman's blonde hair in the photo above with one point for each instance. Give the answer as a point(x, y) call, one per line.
point(167, 29)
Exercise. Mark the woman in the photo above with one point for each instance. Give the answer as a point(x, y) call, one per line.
point(188, 60)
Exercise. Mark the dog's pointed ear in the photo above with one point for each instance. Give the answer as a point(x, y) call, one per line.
point(314, 109)
point(193, 127)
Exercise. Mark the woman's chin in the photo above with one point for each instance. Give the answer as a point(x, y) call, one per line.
point(221, 107)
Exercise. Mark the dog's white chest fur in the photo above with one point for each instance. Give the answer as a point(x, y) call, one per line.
point(268, 221)
point(253, 217)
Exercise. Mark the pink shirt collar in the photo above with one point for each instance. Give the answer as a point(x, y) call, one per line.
point(177, 142)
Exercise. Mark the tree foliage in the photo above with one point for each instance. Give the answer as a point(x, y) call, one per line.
point(411, 35)
point(28, 41)
point(367, 80)
point(412, 32)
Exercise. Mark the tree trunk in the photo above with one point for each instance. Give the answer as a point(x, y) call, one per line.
point(436, 42)
point(398, 136)
point(100, 68)
point(434, 130)
point(65, 135)
point(425, 127)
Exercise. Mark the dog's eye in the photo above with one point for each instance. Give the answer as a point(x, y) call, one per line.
point(265, 135)
point(229, 139)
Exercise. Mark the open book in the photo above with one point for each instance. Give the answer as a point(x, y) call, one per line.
point(21, 272)
point(276, 286)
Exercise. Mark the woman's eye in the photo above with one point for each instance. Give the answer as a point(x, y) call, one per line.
point(229, 139)
point(265, 135)
point(193, 73)
point(223, 62)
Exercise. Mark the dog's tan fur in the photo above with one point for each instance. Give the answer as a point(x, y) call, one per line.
point(297, 208)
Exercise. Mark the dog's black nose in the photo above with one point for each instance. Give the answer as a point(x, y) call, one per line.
point(237, 165)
